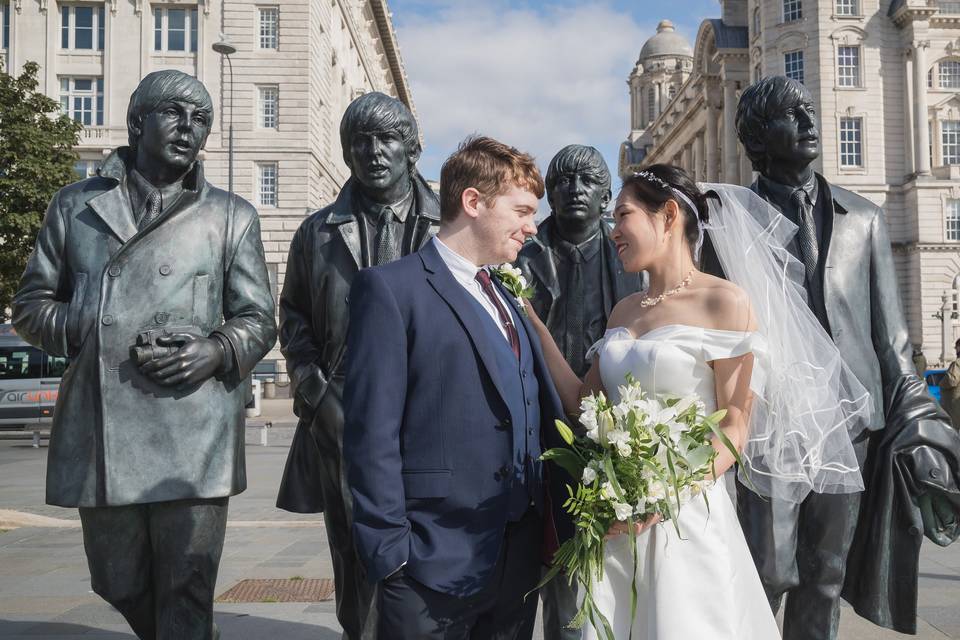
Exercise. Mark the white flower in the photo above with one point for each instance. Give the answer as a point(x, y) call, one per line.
point(594, 434)
point(607, 491)
point(606, 424)
point(623, 510)
point(655, 492)
point(621, 440)
point(589, 419)
point(589, 475)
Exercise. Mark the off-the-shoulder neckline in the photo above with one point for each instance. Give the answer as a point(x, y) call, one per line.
point(677, 324)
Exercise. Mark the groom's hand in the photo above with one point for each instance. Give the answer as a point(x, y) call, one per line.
point(620, 527)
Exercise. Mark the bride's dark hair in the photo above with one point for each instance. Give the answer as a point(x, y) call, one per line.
point(656, 184)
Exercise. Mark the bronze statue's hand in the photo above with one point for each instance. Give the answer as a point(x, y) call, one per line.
point(194, 362)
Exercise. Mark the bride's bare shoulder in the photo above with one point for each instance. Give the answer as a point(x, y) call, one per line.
point(727, 305)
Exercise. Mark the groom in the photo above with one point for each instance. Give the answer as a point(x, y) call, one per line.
point(448, 405)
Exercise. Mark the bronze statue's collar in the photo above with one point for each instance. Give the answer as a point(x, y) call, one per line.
point(342, 210)
point(120, 161)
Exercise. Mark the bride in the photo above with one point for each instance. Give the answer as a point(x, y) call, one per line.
point(693, 333)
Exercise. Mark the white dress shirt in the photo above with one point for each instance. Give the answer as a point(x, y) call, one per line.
point(465, 272)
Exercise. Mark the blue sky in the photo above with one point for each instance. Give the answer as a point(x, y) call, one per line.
point(536, 74)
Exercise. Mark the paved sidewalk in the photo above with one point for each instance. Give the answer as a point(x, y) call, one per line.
point(45, 590)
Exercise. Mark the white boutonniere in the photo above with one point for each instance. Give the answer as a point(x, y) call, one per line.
point(513, 281)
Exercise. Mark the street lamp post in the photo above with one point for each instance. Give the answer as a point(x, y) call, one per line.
point(225, 49)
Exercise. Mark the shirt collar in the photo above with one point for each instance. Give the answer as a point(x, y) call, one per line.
point(398, 209)
point(139, 189)
point(782, 192)
point(462, 269)
point(582, 252)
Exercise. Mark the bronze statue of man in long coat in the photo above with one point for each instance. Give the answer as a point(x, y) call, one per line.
point(384, 211)
point(153, 283)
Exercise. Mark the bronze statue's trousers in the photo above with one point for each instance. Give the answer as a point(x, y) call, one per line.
point(801, 551)
point(157, 564)
point(355, 596)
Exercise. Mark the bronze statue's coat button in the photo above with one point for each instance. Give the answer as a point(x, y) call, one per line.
point(107, 320)
point(165, 269)
point(162, 317)
point(114, 270)
point(934, 473)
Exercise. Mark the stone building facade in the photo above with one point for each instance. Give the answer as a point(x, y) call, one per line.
point(885, 76)
point(297, 66)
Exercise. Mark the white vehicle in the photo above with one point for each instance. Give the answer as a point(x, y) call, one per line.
point(29, 381)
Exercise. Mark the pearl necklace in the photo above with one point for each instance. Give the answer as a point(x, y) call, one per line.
point(652, 302)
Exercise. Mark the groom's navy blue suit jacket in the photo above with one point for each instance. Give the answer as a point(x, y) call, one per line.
point(427, 431)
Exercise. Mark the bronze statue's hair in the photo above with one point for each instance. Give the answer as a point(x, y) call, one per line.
point(162, 86)
point(488, 166)
point(577, 158)
point(760, 103)
point(377, 112)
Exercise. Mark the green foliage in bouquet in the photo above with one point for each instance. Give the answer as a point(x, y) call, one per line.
point(640, 457)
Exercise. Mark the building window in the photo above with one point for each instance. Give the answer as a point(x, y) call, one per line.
point(82, 99)
point(847, 8)
point(85, 168)
point(269, 29)
point(81, 27)
point(268, 107)
point(651, 104)
point(672, 92)
point(174, 29)
point(949, 74)
point(848, 66)
point(756, 21)
point(851, 142)
point(950, 141)
point(267, 183)
point(5, 16)
point(953, 220)
point(792, 10)
point(793, 65)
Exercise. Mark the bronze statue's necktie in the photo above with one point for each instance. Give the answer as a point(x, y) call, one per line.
point(806, 234)
point(152, 209)
point(386, 238)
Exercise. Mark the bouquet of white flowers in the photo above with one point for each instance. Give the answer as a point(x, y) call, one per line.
point(642, 456)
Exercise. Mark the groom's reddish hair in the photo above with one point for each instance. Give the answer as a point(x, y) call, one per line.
point(489, 166)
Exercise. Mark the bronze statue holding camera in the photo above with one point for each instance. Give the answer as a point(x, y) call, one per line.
point(154, 283)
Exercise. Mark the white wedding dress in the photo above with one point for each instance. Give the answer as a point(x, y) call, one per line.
point(703, 583)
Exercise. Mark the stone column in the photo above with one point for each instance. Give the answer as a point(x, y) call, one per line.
point(731, 163)
point(698, 172)
point(712, 143)
point(921, 135)
point(658, 95)
point(946, 328)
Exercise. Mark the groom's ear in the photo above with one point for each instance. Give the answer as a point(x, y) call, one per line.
point(470, 201)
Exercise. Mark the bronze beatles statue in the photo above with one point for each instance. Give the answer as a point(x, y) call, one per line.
point(384, 211)
point(801, 550)
point(153, 282)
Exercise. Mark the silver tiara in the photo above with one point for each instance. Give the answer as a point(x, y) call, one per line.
point(650, 177)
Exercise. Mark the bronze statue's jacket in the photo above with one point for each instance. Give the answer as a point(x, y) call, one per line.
point(91, 285)
point(325, 255)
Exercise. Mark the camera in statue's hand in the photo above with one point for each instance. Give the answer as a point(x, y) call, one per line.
point(177, 357)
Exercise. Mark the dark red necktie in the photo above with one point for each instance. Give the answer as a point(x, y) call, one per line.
point(484, 279)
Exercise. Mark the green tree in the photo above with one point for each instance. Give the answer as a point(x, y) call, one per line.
point(36, 159)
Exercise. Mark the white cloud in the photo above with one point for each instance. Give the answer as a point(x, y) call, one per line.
point(538, 80)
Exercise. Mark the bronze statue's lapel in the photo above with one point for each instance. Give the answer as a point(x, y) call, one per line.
point(114, 209)
point(344, 219)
